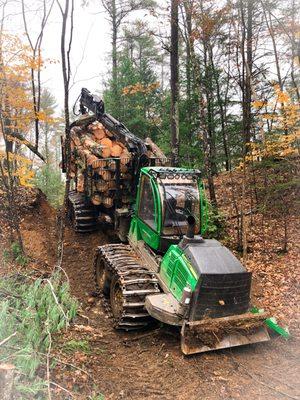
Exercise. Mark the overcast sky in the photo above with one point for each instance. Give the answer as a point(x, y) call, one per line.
point(90, 55)
point(90, 50)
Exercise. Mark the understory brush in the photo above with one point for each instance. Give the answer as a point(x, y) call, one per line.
point(31, 310)
point(15, 253)
point(216, 223)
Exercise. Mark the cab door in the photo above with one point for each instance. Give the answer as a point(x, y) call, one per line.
point(148, 212)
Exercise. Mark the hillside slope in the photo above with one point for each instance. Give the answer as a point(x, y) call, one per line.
point(149, 365)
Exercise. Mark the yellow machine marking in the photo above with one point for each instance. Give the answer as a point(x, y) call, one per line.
point(189, 265)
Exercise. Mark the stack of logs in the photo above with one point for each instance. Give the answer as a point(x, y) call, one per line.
point(96, 147)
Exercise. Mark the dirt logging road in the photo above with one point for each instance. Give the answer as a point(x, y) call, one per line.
point(149, 364)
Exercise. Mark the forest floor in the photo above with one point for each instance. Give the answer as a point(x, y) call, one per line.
point(149, 364)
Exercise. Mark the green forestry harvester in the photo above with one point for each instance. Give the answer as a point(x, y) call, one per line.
point(166, 271)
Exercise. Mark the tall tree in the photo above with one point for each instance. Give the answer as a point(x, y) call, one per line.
point(174, 83)
point(67, 25)
point(118, 11)
point(138, 85)
point(246, 18)
point(36, 66)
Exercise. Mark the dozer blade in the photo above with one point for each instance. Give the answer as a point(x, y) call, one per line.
point(221, 333)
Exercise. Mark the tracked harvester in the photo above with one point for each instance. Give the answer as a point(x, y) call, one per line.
point(163, 270)
point(169, 273)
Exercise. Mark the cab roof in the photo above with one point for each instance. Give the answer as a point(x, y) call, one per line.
point(167, 171)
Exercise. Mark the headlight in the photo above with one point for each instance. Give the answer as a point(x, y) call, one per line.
point(186, 296)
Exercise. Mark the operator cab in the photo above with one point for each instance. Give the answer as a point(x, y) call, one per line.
point(166, 198)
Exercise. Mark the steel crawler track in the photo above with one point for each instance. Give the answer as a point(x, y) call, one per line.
point(82, 214)
point(134, 283)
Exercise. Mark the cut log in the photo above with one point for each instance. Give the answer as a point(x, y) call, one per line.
point(97, 130)
point(106, 142)
point(96, 199)
point(106, 152)
point(100, 163)
point(77, 130)
point(155, 149)
point(102, 186)
point(91, 159)
point(116, 150)
point(125, 157)
point(90, 144)
point(75, 139)
point(111, 165)
point(99, 134)
point(107, 201)
point(80, 183)
point(106, 175)
point(111, 184)
point(123, 168)
point(7, 372)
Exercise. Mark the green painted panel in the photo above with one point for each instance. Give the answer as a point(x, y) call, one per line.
point(177, 272)
point(168, 264)
point(147, 234)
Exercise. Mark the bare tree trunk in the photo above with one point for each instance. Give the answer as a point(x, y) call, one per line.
point(205, 123)
point(188, 4)
point(222, 115)
point(269, 23)
point(294, 30)
point(247, 57)
point(7, 170)
point(66, 72)
point(207, 155)
point(114, 57)
point(174, 84)
point(243, 216)
point(208, 90)
point(36, 70)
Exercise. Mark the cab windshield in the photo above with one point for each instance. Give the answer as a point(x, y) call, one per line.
point(180, 199)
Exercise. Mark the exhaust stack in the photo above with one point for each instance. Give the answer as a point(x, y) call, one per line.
point(191, 227)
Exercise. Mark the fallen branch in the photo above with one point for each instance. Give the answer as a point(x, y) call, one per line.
point(255, 211)
point(62, 388)
point(48, 365)
point(73, 366)
point(131, 339)
point(6, 293)
point(8, 338)
point(56, 300)
point(27, 144)
point(63, 271)
point(58, 360)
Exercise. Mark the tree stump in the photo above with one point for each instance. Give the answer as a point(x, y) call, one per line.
point(7, 372)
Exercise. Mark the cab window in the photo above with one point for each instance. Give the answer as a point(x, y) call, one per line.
point(180, 198)
point(147, 208)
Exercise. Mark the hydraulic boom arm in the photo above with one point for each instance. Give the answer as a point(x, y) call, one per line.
point(90, 102)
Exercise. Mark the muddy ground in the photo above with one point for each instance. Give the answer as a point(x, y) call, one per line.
point(149, 364)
